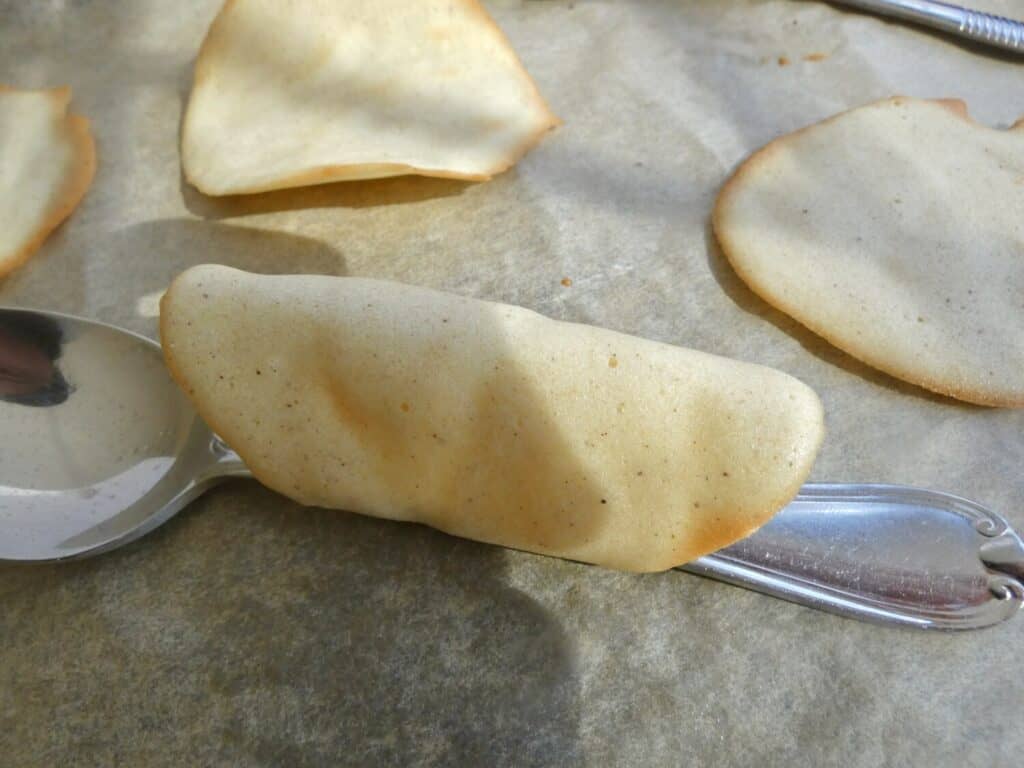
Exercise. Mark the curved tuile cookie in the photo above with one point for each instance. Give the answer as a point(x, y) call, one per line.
point(895, 231)
point(47, 162)
point(289, 94)
point(485, 420)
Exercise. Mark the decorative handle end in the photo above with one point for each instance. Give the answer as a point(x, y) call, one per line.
point(996, 30)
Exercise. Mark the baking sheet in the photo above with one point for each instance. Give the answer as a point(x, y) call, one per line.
point(251, 630)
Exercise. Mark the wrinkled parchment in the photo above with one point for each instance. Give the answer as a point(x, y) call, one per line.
point(251, 631)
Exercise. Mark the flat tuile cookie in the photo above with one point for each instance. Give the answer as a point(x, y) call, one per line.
point(895, 231)
point(47, 162)
point(485, 420)
point(289, 94)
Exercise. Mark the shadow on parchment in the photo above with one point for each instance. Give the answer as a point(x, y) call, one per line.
point(148, 256)
point(250, 630)
point(397, 190)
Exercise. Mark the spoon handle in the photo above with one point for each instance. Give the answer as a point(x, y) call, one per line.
point(884, 553)
point(996, 31)
point(225, 464)
point(890, 554)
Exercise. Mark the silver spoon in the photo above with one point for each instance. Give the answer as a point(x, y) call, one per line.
point(99, 447)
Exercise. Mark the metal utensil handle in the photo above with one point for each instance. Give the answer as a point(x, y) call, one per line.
point(885, 553)
point(998, 31)
point(891, 554)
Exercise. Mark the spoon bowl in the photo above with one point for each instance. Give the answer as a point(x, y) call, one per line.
point(100, 446)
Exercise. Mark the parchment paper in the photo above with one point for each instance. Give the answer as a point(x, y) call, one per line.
point(251, 631)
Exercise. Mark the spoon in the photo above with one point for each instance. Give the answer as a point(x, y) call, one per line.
point(100, 447)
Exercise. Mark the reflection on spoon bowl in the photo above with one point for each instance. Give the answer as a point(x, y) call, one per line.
point(99, 444)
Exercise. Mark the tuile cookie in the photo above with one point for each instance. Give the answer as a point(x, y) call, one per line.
point(289, 94)
point(47, 162)
point(895, 231)
point(485, 420)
